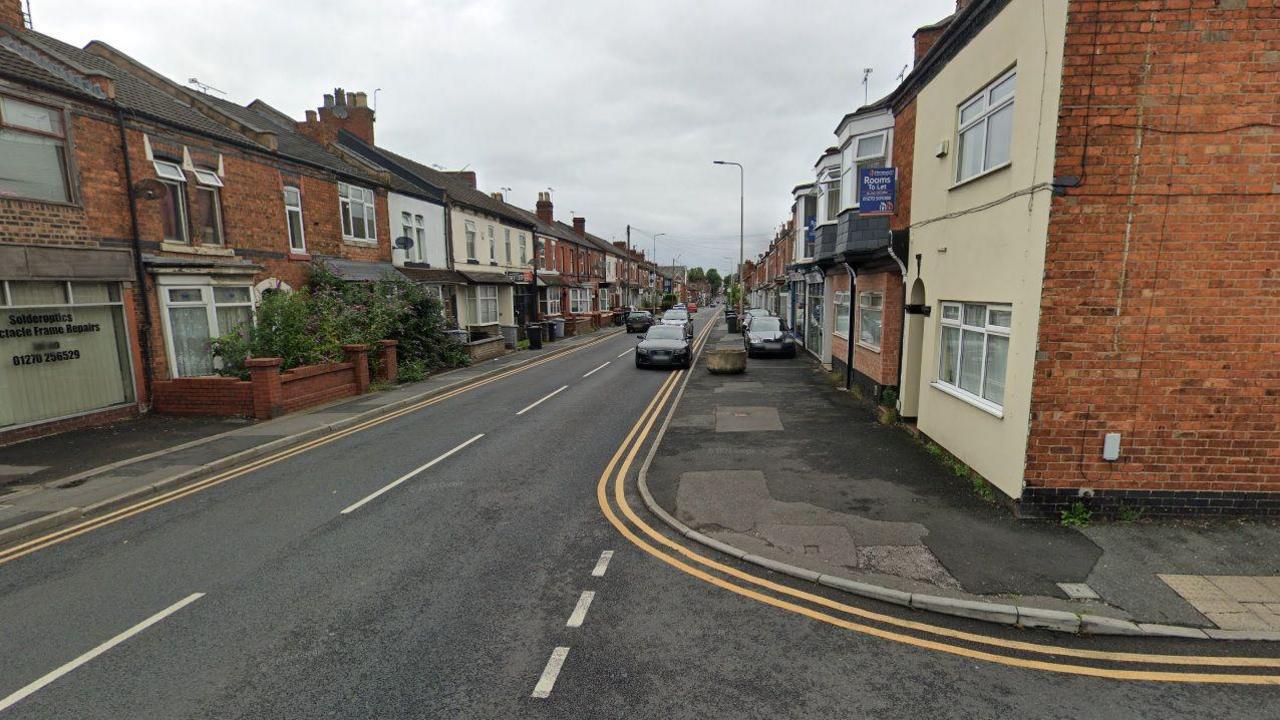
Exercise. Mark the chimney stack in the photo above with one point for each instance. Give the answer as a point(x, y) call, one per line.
point(544, 208)
point(580, 226)
point(11, 14)
point(341, 111)
point(466, 176)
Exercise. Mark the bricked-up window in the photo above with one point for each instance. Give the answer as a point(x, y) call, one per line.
point(293, 219)
point(359, 218)
point(206, 211)
point(482, 303)
point(840, 301)
point(33, 152)
point(986, 129)
point(173, 203)
point(470, 231)
point(974, 350)
point(870, 318)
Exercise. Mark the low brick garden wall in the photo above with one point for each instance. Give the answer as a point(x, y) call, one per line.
point(486, 348)
point(270, 393)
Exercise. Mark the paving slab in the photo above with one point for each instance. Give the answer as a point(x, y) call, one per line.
point(738, 418)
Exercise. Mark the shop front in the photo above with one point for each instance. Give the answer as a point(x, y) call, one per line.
point(65, 346)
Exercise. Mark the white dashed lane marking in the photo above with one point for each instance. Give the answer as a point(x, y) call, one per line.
point(544, 398)
point(593, 372)
point(628, 352)
point(356, 505)
point(602, 564)
point(580, 610)
point(550, 673)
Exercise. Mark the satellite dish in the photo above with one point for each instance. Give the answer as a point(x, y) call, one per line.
point(148, 189)
point(404, 242)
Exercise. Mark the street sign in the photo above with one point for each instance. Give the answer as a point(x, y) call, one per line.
point(876, 189)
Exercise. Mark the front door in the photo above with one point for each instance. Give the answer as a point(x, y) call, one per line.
point(813, 319)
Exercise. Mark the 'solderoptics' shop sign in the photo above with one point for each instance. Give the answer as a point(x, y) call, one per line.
point(62, 360)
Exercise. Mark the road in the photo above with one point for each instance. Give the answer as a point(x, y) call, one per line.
point(461, 590)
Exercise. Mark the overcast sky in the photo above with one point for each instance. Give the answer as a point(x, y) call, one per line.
point(618, 106)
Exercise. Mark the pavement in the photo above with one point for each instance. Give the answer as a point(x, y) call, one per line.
point(779, 463)
point(59, 479)
point(457, 561)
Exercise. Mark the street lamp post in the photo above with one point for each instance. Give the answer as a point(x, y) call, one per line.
point(741, 214)
point(655, 257)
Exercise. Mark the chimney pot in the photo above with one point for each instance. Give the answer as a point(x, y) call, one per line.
point(361, 100)
point(340, 96)
point(328, 100)
point(311, 116)
point(497, 196)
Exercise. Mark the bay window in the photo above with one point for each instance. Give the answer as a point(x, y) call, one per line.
point(868, 152)
point(359, 216)
point(482, 303)
point(196, 314)
point(831, 195)
point(293, 219)
point(33, 152)
point(870, 319)
point(579, 301)
point(974, 350)
point(551, 301)
point(985, 129)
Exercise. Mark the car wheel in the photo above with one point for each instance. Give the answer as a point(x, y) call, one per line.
point(686, 364)
point(638, 363)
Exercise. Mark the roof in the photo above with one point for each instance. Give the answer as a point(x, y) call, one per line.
point(23, 63)
point(458, 191)
point(961, 27)
point(357, 270)
point(555, 229)
point(884, 103)
point(433, 275)
point(134, 93)
point(485, 277)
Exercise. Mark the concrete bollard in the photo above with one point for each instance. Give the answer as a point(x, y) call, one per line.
point(726, 361)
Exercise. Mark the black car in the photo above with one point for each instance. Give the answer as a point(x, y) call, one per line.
point(768, 335)
point(664, 345)
point(639, 321)
point(751, 315)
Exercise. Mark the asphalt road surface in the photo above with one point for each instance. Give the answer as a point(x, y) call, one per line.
point(488, 583)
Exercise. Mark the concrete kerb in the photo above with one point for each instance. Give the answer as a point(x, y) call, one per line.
point(999, 613)
point(66, 516)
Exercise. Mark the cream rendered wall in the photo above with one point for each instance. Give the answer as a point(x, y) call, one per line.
point(459, 216)
point(995, 255)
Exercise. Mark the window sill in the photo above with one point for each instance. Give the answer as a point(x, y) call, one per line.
point(472, 261)
point(842, 336)
point(981, 175)
point(300, 256)
point(360, 243)
point(173, 247)
point(868, 346)
point(983, 405)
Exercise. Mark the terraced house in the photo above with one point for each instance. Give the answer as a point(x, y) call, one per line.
point(155, 215)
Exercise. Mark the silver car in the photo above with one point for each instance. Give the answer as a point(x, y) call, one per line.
point(678, 318)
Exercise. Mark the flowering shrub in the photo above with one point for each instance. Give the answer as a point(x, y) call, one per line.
point(310, 326)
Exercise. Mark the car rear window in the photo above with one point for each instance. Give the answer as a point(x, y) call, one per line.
point(766, 324)
point(640, 315)
point(676, 315)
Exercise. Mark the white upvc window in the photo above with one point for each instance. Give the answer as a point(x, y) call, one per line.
point(482, 304)
point(579, 300)
point(974, 350)
point(419, 250)
point(198, 313)
point(868, 151)
point(359, 217)
point(493, 246)
point(551, 301)
point(293, 219)
point(985, 129)
point(830, 198)
point(173, 203)
point(870, 319)
point(524, 250)
point(840, 303)
point(507, 242)
point(604, 299)
point(469, 229)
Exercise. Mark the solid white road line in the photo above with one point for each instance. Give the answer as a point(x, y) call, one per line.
point(580, 610)
point(35, 686)
point(544, 399)
point(550, 673)
point(626, 353)
point(406, 476)
point(602, 564)
point(593, 372)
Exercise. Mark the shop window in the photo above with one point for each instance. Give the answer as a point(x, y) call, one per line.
point(64, 350)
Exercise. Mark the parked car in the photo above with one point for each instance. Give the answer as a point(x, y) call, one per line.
point(768, 335)
point(664, 345)
point(678, 318)
point(749, 315)
point(639, 321)
point(692, 308)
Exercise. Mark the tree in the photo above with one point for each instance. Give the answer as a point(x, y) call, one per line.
point(714, 280)
point(695, 276)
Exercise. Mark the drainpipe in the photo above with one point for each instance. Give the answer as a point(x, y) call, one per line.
point(139, 271)
point(448, 251)
point(848, 341)
point(902, 332)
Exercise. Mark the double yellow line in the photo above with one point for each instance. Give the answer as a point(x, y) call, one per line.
point(62, 535)
point(926, 636)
